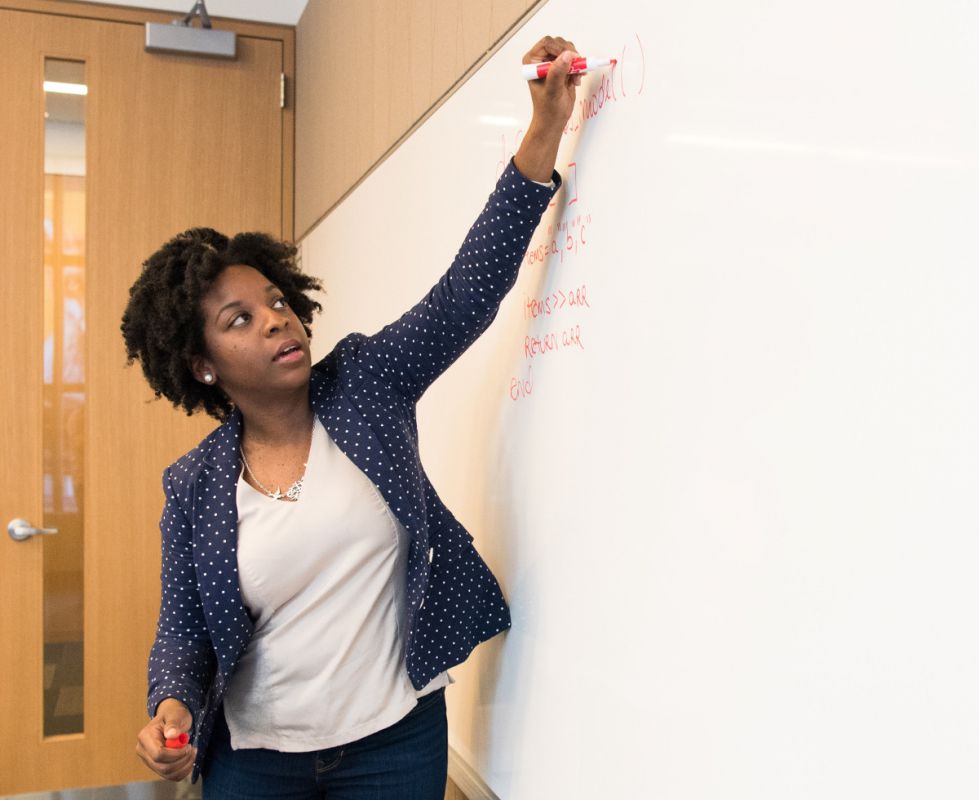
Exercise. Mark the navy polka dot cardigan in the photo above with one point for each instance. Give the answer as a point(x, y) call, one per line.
point(364, 393)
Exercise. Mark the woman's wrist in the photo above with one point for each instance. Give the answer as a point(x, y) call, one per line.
point(537, 154)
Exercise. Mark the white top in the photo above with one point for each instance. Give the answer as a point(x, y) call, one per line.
point(324, 580)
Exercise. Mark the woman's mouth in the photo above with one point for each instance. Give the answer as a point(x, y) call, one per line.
point(291, 351)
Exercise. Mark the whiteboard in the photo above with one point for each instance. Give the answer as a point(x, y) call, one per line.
point(730, 493)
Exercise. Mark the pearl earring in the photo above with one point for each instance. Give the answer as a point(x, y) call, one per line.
point(208, 377)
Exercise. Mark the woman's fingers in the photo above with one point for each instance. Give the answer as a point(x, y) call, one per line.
point(549, 48)
point(177, 770)
point(181, 770)
point(554, 96)
point(174, 770)
point(174, 764)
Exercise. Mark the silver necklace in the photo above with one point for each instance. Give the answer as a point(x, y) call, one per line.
point(293, 491)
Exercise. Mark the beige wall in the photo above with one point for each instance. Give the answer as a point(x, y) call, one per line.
point(411, 55)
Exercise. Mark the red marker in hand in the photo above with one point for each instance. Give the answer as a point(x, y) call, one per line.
point(533, 72)
point(179, 742)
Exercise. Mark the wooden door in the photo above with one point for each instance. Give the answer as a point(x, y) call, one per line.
point(171, 142)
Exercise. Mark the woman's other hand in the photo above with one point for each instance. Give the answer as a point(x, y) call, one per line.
point(172, 718)
point(553, 99)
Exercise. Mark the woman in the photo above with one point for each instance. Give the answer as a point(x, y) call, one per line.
point(314, 587)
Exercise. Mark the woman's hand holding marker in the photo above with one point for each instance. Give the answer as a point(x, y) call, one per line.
point(553, 98)
point(538, 70)
point(163, 742)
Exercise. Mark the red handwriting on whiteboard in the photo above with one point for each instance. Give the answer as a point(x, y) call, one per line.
point(598, 91)
point(539, 345)
point(555, 301)
point(610, 86)
point(565, 238)
point(545, 343)
point(522, 386)
point(592, 105)
point(571, 184)
point(636, 64)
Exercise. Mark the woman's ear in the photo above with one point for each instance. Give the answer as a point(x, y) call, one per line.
point(203, 371)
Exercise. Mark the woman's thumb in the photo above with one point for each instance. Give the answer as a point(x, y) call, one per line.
point(175, 723)
point(560, 68)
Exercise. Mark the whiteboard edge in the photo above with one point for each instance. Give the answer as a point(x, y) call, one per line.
point(476, 66)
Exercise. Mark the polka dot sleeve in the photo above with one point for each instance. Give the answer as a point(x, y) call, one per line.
point(181, 662)
point(414, 350)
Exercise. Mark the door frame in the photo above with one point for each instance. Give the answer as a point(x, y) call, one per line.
point(260, 30)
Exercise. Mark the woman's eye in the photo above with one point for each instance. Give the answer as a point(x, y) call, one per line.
point(240, 319)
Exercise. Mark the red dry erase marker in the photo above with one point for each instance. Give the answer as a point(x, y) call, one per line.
point(533, 72)
point(178, 742)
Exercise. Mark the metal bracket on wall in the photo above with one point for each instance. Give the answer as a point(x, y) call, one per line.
point(182, 37)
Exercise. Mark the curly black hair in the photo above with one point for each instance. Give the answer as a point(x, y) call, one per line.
point(163, 325)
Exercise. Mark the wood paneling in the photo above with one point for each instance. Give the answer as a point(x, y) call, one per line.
point(368, 72)
point(203, 143)
point(172, 142)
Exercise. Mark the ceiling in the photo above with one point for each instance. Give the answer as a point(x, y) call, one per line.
point(284, 12)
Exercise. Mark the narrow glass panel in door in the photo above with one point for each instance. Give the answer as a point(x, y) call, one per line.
point(64, 393)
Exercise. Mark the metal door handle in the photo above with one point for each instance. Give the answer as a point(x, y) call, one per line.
point(20, 529)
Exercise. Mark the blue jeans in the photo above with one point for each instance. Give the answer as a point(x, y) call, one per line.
point(406, 761)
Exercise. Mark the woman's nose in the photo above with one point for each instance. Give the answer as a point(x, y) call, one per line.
point(275, 322)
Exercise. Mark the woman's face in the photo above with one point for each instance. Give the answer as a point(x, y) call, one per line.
point(256, 345)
